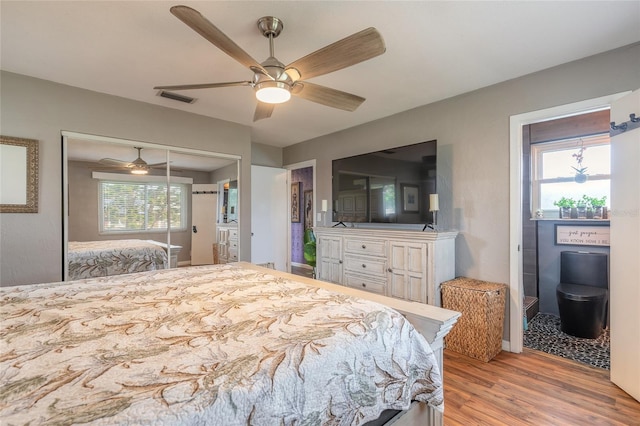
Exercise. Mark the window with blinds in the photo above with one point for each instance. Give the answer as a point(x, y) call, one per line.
point(554, 166)
point(141, 207)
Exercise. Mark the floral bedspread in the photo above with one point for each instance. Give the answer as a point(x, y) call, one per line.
point(218, 345)
point(88, 259)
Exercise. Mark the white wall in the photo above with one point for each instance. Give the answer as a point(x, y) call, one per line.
point(31, 244)
point(472, 131)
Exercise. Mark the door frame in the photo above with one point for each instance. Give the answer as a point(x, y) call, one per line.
point(290, 168)
point(516, 123)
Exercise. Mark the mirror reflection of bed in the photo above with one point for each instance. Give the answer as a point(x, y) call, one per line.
point(118, 220)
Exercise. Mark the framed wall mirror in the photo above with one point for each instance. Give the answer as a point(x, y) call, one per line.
point(18, 175)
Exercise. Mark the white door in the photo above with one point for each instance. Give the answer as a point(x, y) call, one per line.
point(624, 288)
point(204, 199)
point(269, 217)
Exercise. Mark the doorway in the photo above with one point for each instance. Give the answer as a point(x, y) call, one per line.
point(552, 152)
point(516, 310)
point(303, 207)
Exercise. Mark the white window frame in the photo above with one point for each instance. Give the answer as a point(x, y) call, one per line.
point(175, 181)
point(537, 151)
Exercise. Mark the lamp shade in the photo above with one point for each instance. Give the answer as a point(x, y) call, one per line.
point(433, 203)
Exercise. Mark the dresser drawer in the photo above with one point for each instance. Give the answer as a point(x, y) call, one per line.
point(366, 265)
point(233, 234)
point(366, 283)
point(233, 255)
point(366, 247)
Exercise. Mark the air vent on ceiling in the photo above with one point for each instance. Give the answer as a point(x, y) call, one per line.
point(176, 97)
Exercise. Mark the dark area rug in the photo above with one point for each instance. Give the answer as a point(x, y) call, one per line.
point(544, 335)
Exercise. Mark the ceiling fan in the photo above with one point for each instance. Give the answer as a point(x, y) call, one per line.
point(273, 81)
point(136, 167)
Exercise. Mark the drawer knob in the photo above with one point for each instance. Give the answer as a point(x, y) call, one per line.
point(339, 261)
point(364, 247)
point(389, 270)
point(364, 285)
point(364, 266)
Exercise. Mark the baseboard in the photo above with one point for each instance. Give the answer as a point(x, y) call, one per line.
point(506, 346)
point(184, 263)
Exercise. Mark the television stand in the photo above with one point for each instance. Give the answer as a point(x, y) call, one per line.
point(385, 253)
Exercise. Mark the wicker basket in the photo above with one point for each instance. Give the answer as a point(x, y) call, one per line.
point(478, 333)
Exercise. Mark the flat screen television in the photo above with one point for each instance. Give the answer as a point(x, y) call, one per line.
point(388, 186)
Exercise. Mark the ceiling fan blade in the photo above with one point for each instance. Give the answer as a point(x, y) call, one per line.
point(112, 162)
point(351, 50)
point(210, 32)
point(327, 96)
point(109, 169)
point(203, 86)
point(263, 110)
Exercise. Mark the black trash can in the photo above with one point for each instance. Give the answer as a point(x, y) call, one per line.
point(582, 309)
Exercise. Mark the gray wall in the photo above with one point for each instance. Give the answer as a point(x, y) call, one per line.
point(266, 155)
point(472, 131)
point(31, 244)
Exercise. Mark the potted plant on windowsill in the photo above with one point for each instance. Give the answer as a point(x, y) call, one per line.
point(599, 206)
point(565, 204)
point(581, 207)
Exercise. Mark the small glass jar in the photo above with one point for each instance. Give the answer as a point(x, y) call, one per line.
point(582, 212)
point(597, 212)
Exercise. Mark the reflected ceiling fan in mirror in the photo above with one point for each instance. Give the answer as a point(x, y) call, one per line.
point(136, 167)
point(273, 81)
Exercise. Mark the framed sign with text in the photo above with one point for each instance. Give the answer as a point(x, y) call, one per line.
point(582, 235)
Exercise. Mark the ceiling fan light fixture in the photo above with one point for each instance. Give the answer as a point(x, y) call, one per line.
point(273, 92)
point(139, 171)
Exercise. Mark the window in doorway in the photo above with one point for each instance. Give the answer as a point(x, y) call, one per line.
point(553, 170)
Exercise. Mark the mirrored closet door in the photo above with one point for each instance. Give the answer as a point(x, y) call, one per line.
point(130, 205)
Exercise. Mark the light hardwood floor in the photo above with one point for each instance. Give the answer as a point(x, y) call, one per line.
point(532, 388)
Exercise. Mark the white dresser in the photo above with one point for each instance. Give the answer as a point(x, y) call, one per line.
point(405, 264)
point(227, 243)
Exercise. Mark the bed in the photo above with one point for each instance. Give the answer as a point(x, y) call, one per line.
point(221, 344)
point(90, 259)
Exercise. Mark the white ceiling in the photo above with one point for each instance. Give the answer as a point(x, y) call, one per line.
point(435, 50)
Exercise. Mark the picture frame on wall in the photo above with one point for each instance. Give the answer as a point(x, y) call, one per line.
point(295, 202)
point(308, 209)
point(410, 198)
point(582, 235)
